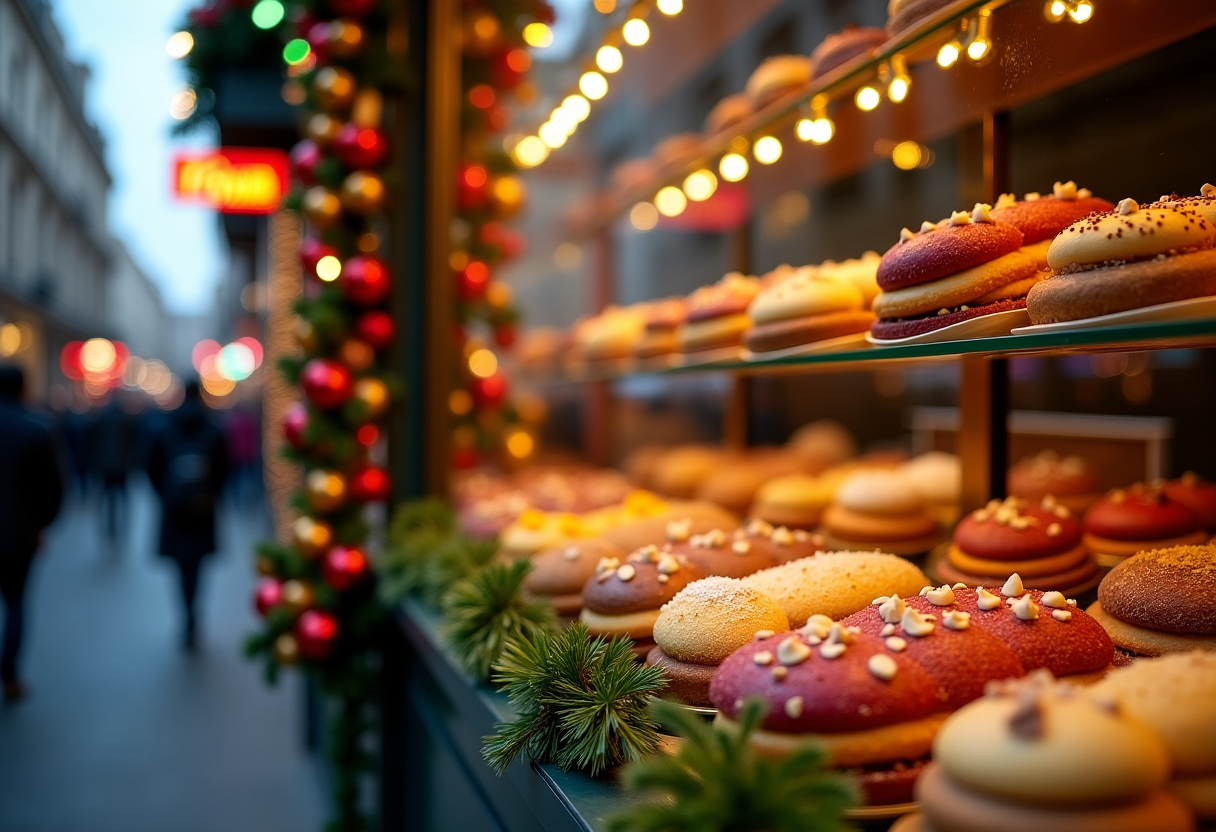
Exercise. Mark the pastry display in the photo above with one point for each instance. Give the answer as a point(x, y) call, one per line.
point(1069, 479)
point(727, 113)
point(1160, 601)
point(1126, 259)
point(963, 267)
point(745, 550)
point(639, 463)
point(1041, 218)
point(624, 596)
point(1041, 542)
point(662, 321)
point(836, 584)
point(937, 477)
point(1173, 696)
point(822, 444)
point(614, 333)
point(717, 314)
point(560, 572)
point(859, 271)
point(703, 624)
point(1038, 754)
point(844, 46)
point(775, 77)
point(1197, 495)
point(734, 484)
point(676, 519)
point(680, 471)
point(1140, 517)
point(874, 710)
point(877, 509)
point(795, 500)
point(805, 308)
point(673, 147)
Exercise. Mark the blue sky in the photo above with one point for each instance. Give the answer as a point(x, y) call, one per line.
point(179, 246)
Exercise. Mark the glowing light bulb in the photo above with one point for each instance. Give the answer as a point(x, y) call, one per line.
point(867, 98)
point(1054, 10)
point(700, 185)
point(670, 201)
point(483, 363)
point(267, 14)
point(577, 106)
point(980, 48)
point(1081, 11)
point(329, 268)
point(644, 216)
point(179, 45)
point(635, 32)
point(296, 52)
point(670, 7)
point(733, 167)
point(553, 135)
point(907, 155)
point(538, 35)
point(531, 151)
point(182, 104)
point(609, 59)
point(947, 56)
point(767, 150)
point(593, 85)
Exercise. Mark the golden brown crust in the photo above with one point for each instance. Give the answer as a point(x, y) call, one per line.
point(686, 682)
point(1065, 581)
point(636, 625)
point(712, 618)
point(1144, 641)
point(1030, 568)
point(563, 569)
point(846, 524)
point(1105, 291)
point(794, 332)
point(902, 741)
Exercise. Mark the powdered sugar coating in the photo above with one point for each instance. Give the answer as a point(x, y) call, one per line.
point(710, 618)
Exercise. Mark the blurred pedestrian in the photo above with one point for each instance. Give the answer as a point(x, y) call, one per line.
point(187, 464)
point(31, 491)
point(112, 445)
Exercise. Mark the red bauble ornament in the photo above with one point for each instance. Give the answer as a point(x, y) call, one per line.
point(268, 595)
point(344, 567)
point(295, 423)
point(505, 336)
point(316, 633)
point(472, 281)
point(491, 391)
point(376, 328)
point(311, 252)
point(305, 157)
point(365, 280)
point(370, 484)
point(472, 187)
point(326, 383)
point(464, 458)
point(361, 147)
point(352, 8)
point(510, 68)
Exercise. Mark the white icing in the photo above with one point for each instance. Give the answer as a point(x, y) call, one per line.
point(792, 650)
point(882, 666)
point(942, 596)
point(986, 600)
point(1013, 587)
point(956, 620)
point(915, 624)
point(980, 213)
point(1127, 206)
point(892, 609)
point(960, 218)
point(1054, 599)
point(1024, 608)
point(1065, 190)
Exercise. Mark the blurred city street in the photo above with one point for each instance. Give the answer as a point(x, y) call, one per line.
point(125, 730)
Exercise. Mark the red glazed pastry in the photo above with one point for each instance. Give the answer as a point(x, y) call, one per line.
point(717, 314)
point(1197, 495)
point(944, 249)
point(1040, 542)
point(1042, 218)
point(1069, 479)
point(1135, 519)
point(745, 550)
point(663, 321)
point(843, 46)
point(875, 710)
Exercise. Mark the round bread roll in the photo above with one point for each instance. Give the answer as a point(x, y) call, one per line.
point(944, 249)
point(1042, 218)
point(1049, 745)
point(823, 443)
point(1129, 233)
point(775, 77)
point(561, 571)
point(1197, 495)
point(795, 500)
point(836, 584)
point(1173, 695)
point(1173, 590)
point(727, 113)
point(711, 618)
point(1069, 479)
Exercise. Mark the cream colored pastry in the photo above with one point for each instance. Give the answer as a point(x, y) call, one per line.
point(1046, 743)
point(632, 624)
point(712, 332)
point(679, 471)
point(903, 741)
point(615, 333)
point(1004, 277)
point(859, 271)
point(803, 294)
point(793, 500)
point(824, 443)
point(1205, 203)
point(837, 584)
point(1129, 233)
point(879, 493)
point(775, 76)
point(711, 618)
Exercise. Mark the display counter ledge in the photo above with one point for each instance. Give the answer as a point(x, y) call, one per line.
point(448, 717)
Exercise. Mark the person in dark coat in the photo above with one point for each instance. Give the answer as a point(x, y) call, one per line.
point(112, 445)
point(31, 492)
point(187, 464)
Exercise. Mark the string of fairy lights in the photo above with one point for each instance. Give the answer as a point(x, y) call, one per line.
point(972, 42)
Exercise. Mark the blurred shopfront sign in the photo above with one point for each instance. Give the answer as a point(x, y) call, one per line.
point(233, 180)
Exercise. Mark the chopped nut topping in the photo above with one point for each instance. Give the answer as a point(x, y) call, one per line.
point(792, 650)
point(1055, 530)
point(779, 672)
point(1032, 196)
point(817, 625)
point(764, 658)
point(986, 600)
point(905, 234)
point(1127, 206)
point(915, 624)
point(1054, 599)
point(759, 528)
point(980, 212)
point(896, 644)
point(782, 536)
point(926, 226)
point(571, 553)
point(761, 635)
point(627, 572)
point(959, 585)
point(881, 666)
point(741, 547)
point(887, 629)
point(801, 536)
point(956, 620)
point(1013, 587)
point(1005, 200)
point(1065, 190)
point(679, 530)
point(647, 554)
point(714, 539)
point(793, 707)
point(1048, 503)
point(668, 564)
point(1208, 190)
point(833, 651)
point(1024, 608)
point(981, 515)
point(942, 596)
point(1084, 193)
point(841, 635)
point(663, 578)
point(892, 609)
point(606, 565)
point(960, 218)
point(1062, 512)
point(1061, 615)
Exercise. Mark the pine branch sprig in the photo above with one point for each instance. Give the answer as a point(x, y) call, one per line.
point(487, 609)
point(715, 782)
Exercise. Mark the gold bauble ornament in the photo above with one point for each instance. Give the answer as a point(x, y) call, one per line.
point(356, 354)
point(264, 565)
point(373, 394)
point(324, 489)
point(481, 33)
point(322, 206)
point(363, 193)
point(322, 129)
point(305, 335)
point(286, 649)
point(333, 89)
point(312, 537)
point(345, 38)
point(507, 196)
point(298, 595)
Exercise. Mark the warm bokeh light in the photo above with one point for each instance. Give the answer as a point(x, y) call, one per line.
point(947, 56)
point(670, 201)
point(202, 350)
point(907, 155)
point(267, 14)
point(670, 7)
point(483, 363)
point(520, 444)
point(538, 35)
point(605, 6)
point(296, 52)
point(867, 98)
point(635, 32)
point(977, 50)
point(609, 59)
point(460, 402)
point(1054, 10)
point(897, 90)
point(98, 356)
point(182, 104)
point(565, 120)
point(1081, 11)
point(700, 185)
point(531, 151)
point(767, 150)
point(217, 385)
point(235, 362)
point(980, 48)
point(10, 340)
point(568, 256)
point(593, 85)
point(733, 167)
point(329, 268)
point(643, 216)
point(180, 44)
point(577, 106)
point(553, 135)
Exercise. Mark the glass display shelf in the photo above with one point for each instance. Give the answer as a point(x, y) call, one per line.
point(1130, 337)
